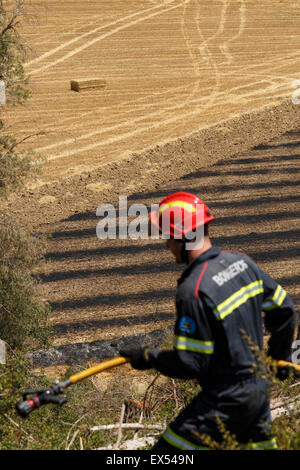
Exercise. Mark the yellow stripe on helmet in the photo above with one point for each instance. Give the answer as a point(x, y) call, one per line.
point(184, 205)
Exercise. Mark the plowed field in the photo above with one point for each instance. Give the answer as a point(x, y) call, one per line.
point(172, 68)
point(101, 290)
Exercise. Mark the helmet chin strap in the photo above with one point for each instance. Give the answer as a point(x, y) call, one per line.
point(184, 253)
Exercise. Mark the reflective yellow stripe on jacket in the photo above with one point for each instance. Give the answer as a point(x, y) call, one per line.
point(238, 298)
point(181, 443)
point(190, 344)
point(263, 445)
point(177, 441)
point(276, 300)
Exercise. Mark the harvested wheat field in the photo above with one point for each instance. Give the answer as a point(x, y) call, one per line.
point(198, 97)
point(172, 67)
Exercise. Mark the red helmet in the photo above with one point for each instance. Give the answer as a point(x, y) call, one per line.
point(179, 214)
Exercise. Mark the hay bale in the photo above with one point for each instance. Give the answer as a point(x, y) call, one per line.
point(78, 85)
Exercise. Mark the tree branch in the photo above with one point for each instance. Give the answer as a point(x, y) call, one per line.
point(12, 22)
point(106, 427)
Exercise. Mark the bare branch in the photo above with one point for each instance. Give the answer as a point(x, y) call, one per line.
point(107, 427)
point(74, 424)
point(294, 385)
point(7, 311)
point(284, 402)
point(149, 388)
point(18, 426)
point(72, 440)
point(17, 143)
point(120, 426)
point(175, 394)
point(81, 443)
point(140, 422)
point(12, 23)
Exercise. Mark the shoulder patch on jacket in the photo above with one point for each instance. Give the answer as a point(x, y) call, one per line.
point(187, 325)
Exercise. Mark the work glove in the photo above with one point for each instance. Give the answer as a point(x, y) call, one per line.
point(286, 372)
point(139, 358)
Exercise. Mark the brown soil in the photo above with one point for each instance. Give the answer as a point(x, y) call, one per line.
point(174, 73)
point(106, 289)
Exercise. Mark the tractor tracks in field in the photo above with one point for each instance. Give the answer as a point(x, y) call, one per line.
point(242, 24)
point(167, 106)
point(264, 92)
point(269, 77)
point(155, 124)
point(175, 104)
point(85, 35)
point(144, 15)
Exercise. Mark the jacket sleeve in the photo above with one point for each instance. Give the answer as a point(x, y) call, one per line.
point(193, 345)
point(280, 318)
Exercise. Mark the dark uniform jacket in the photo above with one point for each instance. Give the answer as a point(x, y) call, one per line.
point(219, 327)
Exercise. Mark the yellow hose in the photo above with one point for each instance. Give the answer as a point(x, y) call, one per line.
point(122, 360)
point(285, 363)
point(98, 368)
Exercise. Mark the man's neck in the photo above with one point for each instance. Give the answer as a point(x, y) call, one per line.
point(192, 254)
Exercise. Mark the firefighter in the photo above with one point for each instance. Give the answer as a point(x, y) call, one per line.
point(219, 303)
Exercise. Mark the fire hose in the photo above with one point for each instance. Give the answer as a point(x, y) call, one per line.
point(34, 399)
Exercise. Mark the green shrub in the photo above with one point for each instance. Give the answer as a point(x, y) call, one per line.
point(17, 166)
point(12, 52)
point(23, 316)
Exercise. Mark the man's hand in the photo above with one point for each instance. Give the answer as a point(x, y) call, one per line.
point(139, 358)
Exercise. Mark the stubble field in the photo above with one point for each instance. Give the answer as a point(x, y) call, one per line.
point(172, 67)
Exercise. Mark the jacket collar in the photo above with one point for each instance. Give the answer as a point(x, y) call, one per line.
point(208, 254)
